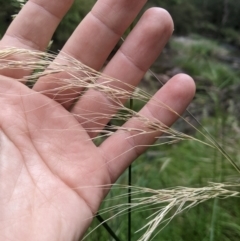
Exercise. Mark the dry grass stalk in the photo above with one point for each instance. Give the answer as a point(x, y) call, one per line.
point(81, 76)
point(163, 202)
point(42, 64)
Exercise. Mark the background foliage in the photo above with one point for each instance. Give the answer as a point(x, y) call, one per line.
point(215, 18)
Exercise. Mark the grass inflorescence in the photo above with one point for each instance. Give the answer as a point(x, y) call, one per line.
point(165, 203)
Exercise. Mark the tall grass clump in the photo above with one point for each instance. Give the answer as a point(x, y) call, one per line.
point(199, 47)
point(204, 57)
point(167, 181)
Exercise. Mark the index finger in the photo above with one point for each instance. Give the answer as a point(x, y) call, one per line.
point(34, 26)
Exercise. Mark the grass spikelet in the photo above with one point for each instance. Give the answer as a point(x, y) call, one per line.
point(180, 199)
point(164, 202)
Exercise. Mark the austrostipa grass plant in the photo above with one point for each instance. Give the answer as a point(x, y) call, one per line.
point(164, 204)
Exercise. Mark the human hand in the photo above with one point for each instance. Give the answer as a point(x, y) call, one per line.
point(46, 158)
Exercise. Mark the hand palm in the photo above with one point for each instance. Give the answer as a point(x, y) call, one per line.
point(47, 155)
point(49, 167)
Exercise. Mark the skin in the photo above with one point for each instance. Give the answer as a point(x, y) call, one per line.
point(46, 157)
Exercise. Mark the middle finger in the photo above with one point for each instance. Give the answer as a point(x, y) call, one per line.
point(93, 40)
point(133, 59)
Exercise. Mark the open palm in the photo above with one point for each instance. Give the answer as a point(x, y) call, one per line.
point(49, 167)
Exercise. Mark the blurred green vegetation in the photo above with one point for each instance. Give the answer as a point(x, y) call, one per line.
point(216, 18)
point(8, 8)
point(205, 58)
